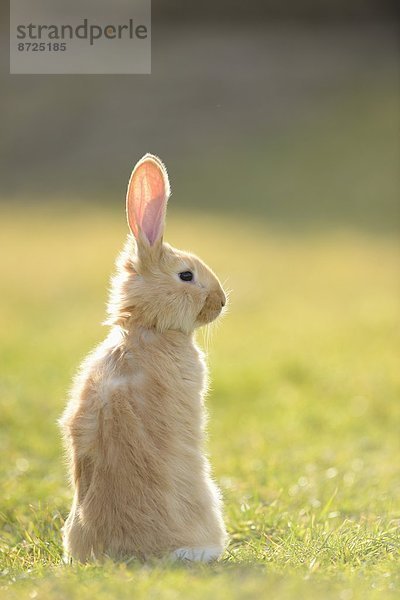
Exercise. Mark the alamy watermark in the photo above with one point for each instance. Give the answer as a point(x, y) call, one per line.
point(80, 37)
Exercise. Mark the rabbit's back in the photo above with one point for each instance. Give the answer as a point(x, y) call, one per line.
point(135, 427)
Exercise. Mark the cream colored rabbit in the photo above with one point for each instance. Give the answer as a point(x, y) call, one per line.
point(134, 425)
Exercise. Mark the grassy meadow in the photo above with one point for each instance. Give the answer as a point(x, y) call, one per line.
point(304, 413)
point(304, 402)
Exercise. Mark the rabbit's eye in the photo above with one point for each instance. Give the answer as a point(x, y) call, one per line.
point(186, 276)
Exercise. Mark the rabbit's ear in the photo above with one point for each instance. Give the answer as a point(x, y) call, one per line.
point(146, 199)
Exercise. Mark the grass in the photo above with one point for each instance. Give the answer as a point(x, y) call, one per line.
point(304, 414)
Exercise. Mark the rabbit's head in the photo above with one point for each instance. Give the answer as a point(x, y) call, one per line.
point(158, 286)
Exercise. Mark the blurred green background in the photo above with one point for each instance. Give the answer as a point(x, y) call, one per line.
point(279, 124)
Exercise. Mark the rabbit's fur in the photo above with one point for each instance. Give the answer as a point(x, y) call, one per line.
point(134, 425)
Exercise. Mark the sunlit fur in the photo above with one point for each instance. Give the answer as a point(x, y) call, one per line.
point(134, 425)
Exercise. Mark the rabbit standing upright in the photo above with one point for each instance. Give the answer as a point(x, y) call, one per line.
point(134, 425)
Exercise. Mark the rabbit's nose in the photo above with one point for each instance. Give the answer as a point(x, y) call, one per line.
point(223, 300)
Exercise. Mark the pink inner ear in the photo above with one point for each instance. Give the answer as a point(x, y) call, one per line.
point(147, 200)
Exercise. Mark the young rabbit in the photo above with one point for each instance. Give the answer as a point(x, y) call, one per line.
point(134, 425)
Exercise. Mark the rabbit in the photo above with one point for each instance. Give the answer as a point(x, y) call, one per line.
point(134, 425)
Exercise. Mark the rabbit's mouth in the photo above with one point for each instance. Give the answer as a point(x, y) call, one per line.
point(212, 307)
point(206, 316)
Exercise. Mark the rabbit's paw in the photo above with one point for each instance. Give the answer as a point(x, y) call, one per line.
point(201, 554)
